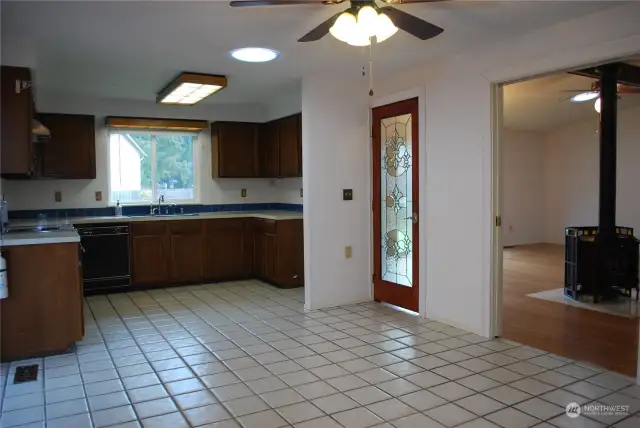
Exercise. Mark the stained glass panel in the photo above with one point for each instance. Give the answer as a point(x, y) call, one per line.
point(397, 208)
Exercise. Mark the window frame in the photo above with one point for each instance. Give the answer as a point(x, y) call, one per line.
point(154, 194)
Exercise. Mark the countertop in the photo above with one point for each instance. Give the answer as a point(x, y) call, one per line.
point(57, 237)
point(37, 238)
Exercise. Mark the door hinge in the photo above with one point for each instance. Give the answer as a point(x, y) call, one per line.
point(498, 221)
point(373, 277)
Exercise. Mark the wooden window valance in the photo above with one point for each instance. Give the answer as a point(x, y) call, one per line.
point(152, 123)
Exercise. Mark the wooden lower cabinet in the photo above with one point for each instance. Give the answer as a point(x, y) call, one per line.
point(278, 252)
point(150, 257)
point(189, 251)
point(228, 249)
point(43, 313)
point(186, 258)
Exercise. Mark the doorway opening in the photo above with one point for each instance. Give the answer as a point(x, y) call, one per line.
point(549, 168)
point(395, 203)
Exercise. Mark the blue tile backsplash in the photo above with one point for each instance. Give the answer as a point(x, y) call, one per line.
point(144, 209)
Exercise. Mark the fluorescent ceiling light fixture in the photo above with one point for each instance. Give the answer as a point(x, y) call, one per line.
point(584, 96)
point(597, 105)
point(190, 88)
point(255, 54)
point(359, 29)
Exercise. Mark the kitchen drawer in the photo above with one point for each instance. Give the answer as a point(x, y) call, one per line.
point(224, 223)
point(185, 227)
point(148, 228)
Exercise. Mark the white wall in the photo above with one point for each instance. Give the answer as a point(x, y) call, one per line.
point(572, 174)
point(333, 161)
point(458, 222)
point(39, 194)
point(523, 215)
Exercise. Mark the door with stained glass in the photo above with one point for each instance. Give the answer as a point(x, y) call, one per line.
point(395, 203)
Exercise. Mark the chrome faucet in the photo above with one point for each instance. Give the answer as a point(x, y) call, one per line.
point(157, 211)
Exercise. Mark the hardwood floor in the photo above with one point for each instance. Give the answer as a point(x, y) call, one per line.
point(606, 340)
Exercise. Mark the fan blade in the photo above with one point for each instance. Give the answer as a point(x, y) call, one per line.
point(411, 1)
point(412, 24)
point(280, 2)
point(320, 31)
point(628, 90)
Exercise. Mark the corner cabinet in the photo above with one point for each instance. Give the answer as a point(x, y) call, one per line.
point(269, 150)
point(71, 150)
point(234, 149)
point(16, 104)
point(280, 148)
point(228, 249)
point(278, 252)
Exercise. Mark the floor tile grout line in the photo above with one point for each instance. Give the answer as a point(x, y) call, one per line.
point(184, 322)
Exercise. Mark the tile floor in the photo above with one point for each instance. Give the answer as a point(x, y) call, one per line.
point(245, 354)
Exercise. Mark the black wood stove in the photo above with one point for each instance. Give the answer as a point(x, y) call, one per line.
point(601, 262)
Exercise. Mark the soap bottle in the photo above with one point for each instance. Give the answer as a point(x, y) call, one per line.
point(118, 209)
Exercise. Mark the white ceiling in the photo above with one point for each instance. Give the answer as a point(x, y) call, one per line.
point(130, 50)
point(541, 105)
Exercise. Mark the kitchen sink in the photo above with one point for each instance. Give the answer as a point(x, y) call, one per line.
point(164, 215)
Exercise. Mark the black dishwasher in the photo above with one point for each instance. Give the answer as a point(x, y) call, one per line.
point(105, 257)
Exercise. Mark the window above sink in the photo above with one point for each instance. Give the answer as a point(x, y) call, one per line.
point(147, 164)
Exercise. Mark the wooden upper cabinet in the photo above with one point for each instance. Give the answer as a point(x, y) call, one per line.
point(269, 150)
point(18, 150)
point(290, 150)
point(234, 149)
point(71, 151)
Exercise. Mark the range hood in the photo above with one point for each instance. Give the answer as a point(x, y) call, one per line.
point(38, 129)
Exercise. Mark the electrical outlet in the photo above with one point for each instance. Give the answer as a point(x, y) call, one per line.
point(301, 192)
point(98, 196)
point(347, 252)
point(58, 196)
point(243, 193)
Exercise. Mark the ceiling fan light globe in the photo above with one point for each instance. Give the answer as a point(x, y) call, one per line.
point(385, 28)
point(368, 20)
point(344, 27)
point(598, 105)
point(585, 96)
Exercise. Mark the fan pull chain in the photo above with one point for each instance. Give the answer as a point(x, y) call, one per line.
point(370, 69)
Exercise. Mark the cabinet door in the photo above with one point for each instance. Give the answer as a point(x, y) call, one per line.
point(18, 151)
point(290, 147)
point(270, 257)
point(234, 149)
point(268, 148)
point(225, 258)
point(186, 257)
point(150, 259)
point(71, 153)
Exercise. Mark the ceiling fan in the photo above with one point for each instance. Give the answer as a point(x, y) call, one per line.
point(594, 93)
point(363, 20)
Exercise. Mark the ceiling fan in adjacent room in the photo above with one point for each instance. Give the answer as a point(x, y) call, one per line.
point(362, 21)
point(594, 93)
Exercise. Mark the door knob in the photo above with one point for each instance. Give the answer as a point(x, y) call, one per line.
point(413, 217)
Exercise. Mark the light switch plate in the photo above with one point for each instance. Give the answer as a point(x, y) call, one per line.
point(347, 194)
point(98, 196)
point(58, 196)
point(243, 193)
